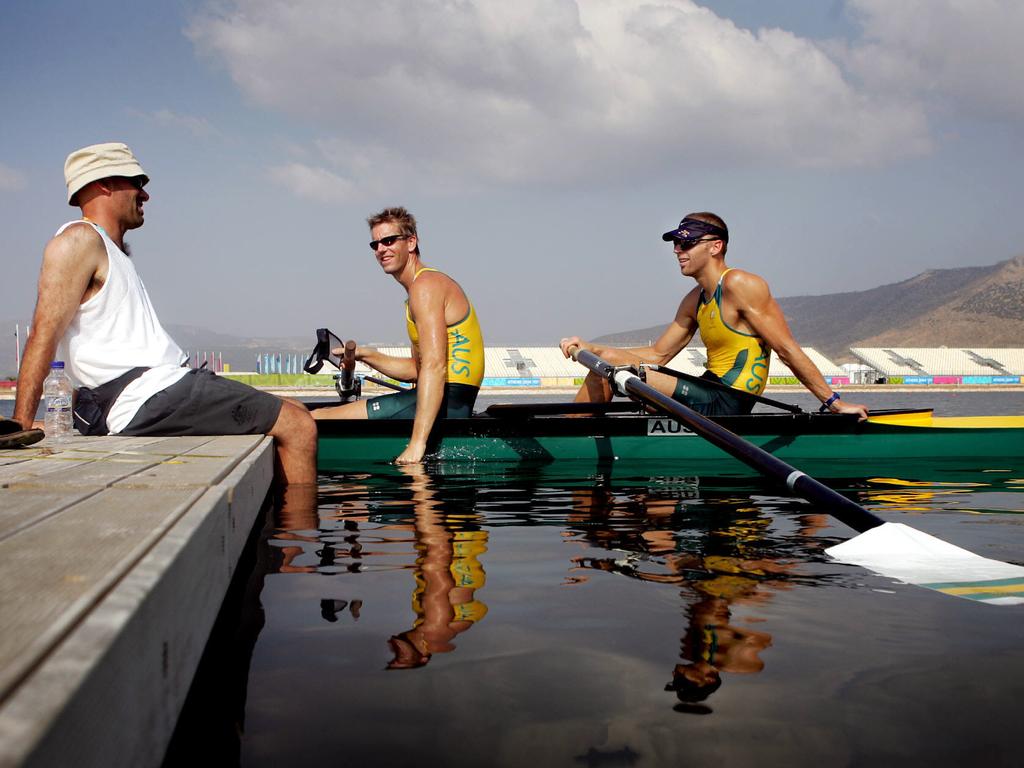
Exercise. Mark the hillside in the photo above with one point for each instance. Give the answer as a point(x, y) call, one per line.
point(968, 306)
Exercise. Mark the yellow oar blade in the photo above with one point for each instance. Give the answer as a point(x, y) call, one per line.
point(913, 557)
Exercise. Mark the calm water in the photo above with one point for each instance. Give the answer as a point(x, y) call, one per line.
point(620, 615)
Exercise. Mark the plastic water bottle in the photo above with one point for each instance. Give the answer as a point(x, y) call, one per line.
point(57, 391)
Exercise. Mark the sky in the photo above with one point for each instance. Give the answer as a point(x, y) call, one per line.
point(543, 145)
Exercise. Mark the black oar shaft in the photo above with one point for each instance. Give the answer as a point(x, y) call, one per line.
point(803, 485)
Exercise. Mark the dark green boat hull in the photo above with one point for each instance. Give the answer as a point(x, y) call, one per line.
point(825, 439)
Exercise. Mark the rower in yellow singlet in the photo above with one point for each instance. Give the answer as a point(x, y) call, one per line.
point(741, 324)
point(447, 363)
point(465, 355)
point(737, 358)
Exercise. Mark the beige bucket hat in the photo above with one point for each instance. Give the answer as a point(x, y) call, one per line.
point(99, 161)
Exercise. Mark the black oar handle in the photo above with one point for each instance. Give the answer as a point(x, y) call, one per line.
point(803, 485)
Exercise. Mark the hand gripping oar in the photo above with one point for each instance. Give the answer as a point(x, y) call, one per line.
point(891, 549)
point(345, 382)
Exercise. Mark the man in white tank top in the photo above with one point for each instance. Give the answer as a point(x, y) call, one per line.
point(94, 308)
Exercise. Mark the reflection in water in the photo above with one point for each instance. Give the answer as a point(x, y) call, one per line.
point(718, 557)
point(447, 572)
point(726, 578)
point(406, 517)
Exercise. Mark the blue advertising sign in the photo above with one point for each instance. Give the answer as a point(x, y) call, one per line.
point(500, 381)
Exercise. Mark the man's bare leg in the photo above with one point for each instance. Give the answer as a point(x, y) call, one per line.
point(294, 435)
point(354, 410)
point(596, 389)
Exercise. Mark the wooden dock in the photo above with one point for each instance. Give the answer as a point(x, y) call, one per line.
point(115, 555)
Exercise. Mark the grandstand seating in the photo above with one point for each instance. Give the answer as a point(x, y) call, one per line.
point(943, 361)
point(508, 362)
point(826, 366)
point(549, 363)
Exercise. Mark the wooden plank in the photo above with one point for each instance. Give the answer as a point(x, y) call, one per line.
point(111, 693)
point(96, 462)
point(205, 464)
point(13, 456)
point(57, 570)
point(22, 507)
point(247, 488)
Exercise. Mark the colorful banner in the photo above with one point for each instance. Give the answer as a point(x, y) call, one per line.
point(991, 379)
point(499, 381)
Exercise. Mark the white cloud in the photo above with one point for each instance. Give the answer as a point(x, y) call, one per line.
point(964, 54)
point(313, 183)
point(197, 126)
point(11, 179)
point(553, 90)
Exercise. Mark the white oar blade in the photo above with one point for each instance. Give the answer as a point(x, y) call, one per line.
point(908, 555)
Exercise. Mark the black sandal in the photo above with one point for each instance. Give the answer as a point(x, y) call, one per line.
point(12, 435)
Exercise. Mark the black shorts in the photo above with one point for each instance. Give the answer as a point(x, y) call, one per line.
point(457, 403)
point(203, 403)
point(711, 400)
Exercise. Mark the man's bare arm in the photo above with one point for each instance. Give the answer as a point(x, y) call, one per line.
point(427, 304)
point(758, 308)
point(672, 340)
point(398, 368)
point(71, 262)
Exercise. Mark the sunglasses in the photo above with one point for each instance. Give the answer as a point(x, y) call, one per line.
point(387, 242)
point(686, 245)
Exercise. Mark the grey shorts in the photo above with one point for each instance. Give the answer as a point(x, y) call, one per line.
point(203, 403)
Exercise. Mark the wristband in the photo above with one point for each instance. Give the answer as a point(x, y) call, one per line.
point(827, 405)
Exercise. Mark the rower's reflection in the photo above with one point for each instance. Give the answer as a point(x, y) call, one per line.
point(447, 574)
point(715, 552)
point(713, 644)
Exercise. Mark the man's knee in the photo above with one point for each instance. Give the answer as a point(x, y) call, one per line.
point(294, 423)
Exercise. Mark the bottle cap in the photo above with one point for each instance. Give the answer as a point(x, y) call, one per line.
point(57, 364)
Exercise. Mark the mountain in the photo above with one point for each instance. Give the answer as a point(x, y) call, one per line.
point(962, 307)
